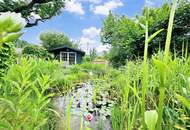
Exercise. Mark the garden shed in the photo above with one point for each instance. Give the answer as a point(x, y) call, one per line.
point(68, 55)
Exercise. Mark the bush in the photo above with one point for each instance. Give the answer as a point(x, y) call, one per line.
point(24, 102)
point(7, 56)
point(36, 51)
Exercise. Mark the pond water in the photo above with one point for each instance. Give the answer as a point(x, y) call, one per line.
point(83, 104)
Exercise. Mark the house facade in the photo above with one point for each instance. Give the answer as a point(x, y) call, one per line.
point(68, 55)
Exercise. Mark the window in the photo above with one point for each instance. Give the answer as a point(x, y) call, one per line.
point(64, 56)
point(71, 58)
point(68, 57)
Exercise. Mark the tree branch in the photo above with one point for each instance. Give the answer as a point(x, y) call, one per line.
point(36, 22)
point(27, 6)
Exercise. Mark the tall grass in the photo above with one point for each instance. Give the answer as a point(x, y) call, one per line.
point(162, 66)
point(145, 68)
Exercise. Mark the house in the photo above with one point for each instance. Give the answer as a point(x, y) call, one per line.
point(68, 55)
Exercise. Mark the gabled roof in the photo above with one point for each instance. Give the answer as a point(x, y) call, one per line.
point(66, 47)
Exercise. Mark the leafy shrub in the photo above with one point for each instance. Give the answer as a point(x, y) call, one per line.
point(36, 51)
point(126, 36)
point(7, 54)
point(10, 26)
point(24, 101)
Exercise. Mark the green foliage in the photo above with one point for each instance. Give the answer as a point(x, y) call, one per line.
point(120, 32)
point(7, 54)
point(45, 9)
point(24, 100)
point(93, 54)
point(118, 119)
point(69, 114)
point(21, 43)
point(126, 36)
point(161, 65)
point(36, 51)
point(151, 119)
point(52, 40)
point(183, 100)
point(10, 26)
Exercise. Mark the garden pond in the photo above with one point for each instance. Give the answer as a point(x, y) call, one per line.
point(83, 105)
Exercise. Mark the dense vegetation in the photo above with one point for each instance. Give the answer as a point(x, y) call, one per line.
point(33, 10)
point(126, 36)
point(150, 93)
point(51, 40)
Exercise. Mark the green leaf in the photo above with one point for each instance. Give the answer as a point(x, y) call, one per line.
point(151, 119)
point(55, 112)
point(183, 100)
point(87, 128)
point(154, 35)
point(8, 102)
point(4, 125)
point(162, 68)
point(11, 37)
point(14, 28)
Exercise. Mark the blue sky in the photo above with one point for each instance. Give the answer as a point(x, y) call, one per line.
point(81, 20)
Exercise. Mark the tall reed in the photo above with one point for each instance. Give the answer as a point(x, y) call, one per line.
point(145, 67)
point(162, 65)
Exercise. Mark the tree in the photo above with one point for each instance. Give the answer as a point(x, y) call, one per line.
point(126, 36)
point(33, 10)
point(52, 40)
point(181, 28)
point(120, 33)
point(93, 54)
point(108, 30)
point(36, 51)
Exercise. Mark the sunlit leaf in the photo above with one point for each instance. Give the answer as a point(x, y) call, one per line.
point(9, 103)
point(11, 37)
point(154, 35)
point(151, 119)
point(177, 126)
point(184, 101)
point(162, 68)
point(4, 125)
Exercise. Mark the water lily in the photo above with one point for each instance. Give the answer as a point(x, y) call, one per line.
point(89, 117)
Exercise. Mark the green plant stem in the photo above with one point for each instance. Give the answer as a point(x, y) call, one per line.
point(166, 58)
point(169, 31)
point(145, 73)
point(69, 114)
point(186, 50)
point(160, 107)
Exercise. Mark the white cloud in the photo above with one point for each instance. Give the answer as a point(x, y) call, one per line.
point(86, 44)
point(74, 7)
point(92, 1)
point(154, 3)
point(106, 7)
point(90, 39)
point(102, 48)
point(91, 32)
point(86, 40)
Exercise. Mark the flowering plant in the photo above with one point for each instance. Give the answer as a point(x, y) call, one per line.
point(89, 117)
point(10, 26)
